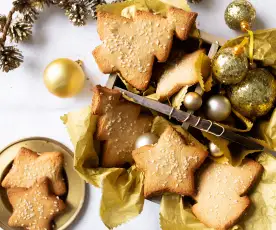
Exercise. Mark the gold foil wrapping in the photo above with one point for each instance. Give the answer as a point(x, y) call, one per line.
point(122, 194)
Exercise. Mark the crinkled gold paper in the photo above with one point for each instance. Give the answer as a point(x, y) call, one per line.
point(264, 46)
point(122, 190)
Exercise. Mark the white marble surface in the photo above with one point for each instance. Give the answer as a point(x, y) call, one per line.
point(27, 109)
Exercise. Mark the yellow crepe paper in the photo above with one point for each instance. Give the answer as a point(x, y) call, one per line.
point(122, 197)
point(128, 86)
point(264, 46)
point(208, 83)
point(178, 99)
point(122, 189)
point(175, 216)
point(203, 67)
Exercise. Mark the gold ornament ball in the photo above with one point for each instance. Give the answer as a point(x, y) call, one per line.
point(64, 77)
point(192, 101)
point(218, 108)
point(239, 12)
point(255, 95)
point(228, 67)
point(214, 150)
point(146, 139)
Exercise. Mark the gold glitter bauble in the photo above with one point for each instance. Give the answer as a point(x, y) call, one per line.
point(239, 11)
point(64, 77)
point(229, 67)
point(255, 95)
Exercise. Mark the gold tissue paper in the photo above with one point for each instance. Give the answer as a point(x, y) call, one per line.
point(122, 190)
point(264, 46)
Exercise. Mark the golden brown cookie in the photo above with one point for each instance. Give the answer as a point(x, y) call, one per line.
point(186, 71)
point(130, 45)
point(119, 125)
point(221, 199)
point(28, 167)
point(169, 165)
point(34, 208)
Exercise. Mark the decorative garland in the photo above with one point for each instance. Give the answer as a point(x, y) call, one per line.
point(20, 28)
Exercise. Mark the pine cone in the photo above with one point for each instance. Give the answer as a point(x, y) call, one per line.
point(21, 5)
point(77, 13)
point(63, 4)
point(194, 1)
point(3, 20)
point(29, 10)
point(20, 31)
point(91, 6)
point(10, 58)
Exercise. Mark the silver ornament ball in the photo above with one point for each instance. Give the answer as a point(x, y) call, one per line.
point(146, 139)
point(192, 101)
point(218, 108)
point(214, 150)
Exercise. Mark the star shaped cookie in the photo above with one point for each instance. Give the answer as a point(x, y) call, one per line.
point(119, 125)
point(28, 167)
point(34, 208)
point(169, 165)
point(131, 45)
point(221, 198)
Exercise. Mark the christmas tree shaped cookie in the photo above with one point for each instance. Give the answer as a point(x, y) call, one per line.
point(130, 45)
point(119, 125)
point(221, 199)
point(169, 165)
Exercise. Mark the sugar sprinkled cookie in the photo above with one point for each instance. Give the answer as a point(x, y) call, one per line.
point(221, 198)
point(119, 125)
point(34, 208)
point(28, 167)
point(169, 165)
point(130, 45)
point(185, 71)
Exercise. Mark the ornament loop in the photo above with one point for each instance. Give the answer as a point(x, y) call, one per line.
point(196, 124)
point(171, 112)
point(186, 119)
point(209, 127)
point(222, 131)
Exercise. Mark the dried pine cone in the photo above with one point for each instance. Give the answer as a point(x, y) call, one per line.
point(3, 20)
point(63, 4)
point(91, 6)
point(21, 5)
point(29, 10)
point(77, 14)
point(10, 58)
point(20, 31)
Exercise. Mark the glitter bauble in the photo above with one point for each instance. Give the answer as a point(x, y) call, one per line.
point(255, 95)
point(192, 101)
point(218, 108)
point(146, 139)
point(239, 11)
point(228, 67)
point(64, 77)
